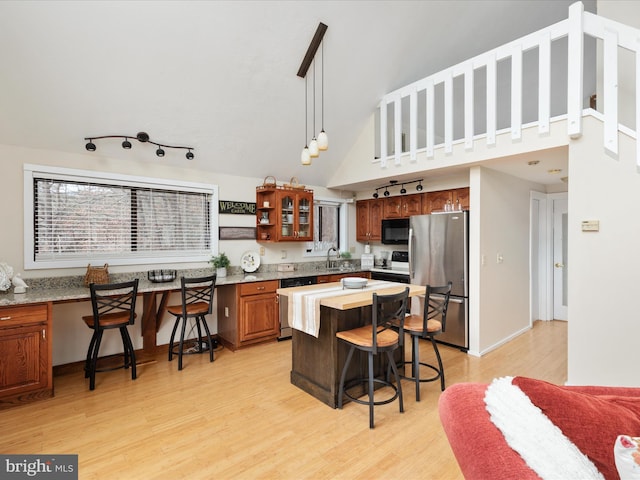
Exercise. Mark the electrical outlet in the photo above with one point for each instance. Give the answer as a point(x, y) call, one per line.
point(283, 254)
point(226, 312)
point(261, 251)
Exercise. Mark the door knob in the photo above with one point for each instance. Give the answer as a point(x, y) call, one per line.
point(559, 265)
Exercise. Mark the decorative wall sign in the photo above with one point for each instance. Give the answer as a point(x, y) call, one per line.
point(236, 208)
point(237, 233)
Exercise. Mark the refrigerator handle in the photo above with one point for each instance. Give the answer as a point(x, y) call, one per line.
point(411, 267)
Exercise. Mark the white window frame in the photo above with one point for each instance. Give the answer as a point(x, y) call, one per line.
point(344, 223)
point(40, 171)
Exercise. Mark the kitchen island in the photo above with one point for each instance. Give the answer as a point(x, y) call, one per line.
point(317, 361)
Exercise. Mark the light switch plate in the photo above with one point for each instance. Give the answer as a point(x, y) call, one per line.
point(591, 225)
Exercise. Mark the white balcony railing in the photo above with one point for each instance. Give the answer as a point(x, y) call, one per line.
point(454, 106)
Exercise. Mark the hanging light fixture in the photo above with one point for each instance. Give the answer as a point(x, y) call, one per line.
point(323, 139)
point(142, 137)
point(305, 156)
point(313, 146)
point(403, 190)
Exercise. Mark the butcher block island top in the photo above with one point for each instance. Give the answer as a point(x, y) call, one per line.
point(317, 358)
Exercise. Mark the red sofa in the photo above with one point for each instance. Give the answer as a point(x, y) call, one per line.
point(482, 452)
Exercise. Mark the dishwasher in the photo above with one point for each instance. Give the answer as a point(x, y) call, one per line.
point(285, 328)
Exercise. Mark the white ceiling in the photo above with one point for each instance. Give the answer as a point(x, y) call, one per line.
point(221, 75)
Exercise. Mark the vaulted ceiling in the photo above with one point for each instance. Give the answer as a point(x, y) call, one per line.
point(221, 75)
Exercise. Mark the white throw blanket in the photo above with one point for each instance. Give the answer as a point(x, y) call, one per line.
point(304, 307)
point(527, 430)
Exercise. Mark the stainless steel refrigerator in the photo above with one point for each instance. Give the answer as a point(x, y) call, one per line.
point(438, 253)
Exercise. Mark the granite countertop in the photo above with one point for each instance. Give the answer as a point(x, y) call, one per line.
point(73, 290)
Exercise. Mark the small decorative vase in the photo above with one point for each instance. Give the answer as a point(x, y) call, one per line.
point(221, 272)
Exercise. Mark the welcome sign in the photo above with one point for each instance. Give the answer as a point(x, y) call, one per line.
point(236, 208)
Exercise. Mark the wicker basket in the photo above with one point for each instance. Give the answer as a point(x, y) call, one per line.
point(293, 183)
point(98, 275)
point(269, 181)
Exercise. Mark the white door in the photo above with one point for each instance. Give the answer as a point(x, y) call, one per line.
point(560, 259)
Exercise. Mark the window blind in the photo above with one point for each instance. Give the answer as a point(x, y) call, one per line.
point(76, 218)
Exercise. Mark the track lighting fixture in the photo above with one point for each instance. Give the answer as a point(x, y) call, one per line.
point(393, 183)
point(142, 137)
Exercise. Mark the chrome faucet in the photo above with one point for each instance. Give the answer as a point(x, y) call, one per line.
point(330, 263)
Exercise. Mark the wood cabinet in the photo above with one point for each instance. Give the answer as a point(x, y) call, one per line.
point(26, 371)
point(284, 214)
point(403, 206)
point(437, 201)
point(335, 277)
point(369, 214)
point(248, 313)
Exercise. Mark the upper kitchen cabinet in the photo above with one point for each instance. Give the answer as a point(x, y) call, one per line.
point(284, 214)
point(456, 199)
point(369, 214)
point(403, 206)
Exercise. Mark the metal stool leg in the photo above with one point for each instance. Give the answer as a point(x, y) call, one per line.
point(344, 375)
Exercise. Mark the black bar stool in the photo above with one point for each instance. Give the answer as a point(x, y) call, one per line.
point(197, 301)
point(388, 312)
point(428, 325)
point(114, 306)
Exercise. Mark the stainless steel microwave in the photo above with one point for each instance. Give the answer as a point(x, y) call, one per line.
point(395, 231)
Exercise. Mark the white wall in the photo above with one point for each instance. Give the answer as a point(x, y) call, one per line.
point(503, 285)
point(604, 271)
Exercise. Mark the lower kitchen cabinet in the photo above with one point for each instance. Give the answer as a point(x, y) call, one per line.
point(248, 313)
point(26, 371)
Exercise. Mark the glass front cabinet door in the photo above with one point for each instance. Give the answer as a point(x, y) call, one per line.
point(296, 212)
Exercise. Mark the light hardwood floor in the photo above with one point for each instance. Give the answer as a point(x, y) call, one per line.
point(240, 418)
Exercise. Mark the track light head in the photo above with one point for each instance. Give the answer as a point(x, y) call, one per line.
point(189, 155)
point(90, 146)
point(126, 144)
point(160, 151)
point(419, 187)
point(403, 190)
point(386, 192)
point(375, 195)
point(142, 137)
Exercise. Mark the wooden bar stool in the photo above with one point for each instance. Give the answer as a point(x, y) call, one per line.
point(197, 301)
point(114, 306)
point(384, 335)
point(428, 325)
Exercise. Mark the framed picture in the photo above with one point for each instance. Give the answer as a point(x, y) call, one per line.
point(237, 233)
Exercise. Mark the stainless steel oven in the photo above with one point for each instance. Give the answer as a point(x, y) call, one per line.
point(397, 271)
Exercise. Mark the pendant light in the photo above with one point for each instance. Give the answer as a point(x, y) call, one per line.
point(305, 156)
point(323, 139)
point(313, 146)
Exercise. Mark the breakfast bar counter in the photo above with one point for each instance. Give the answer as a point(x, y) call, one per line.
point(317, 355)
